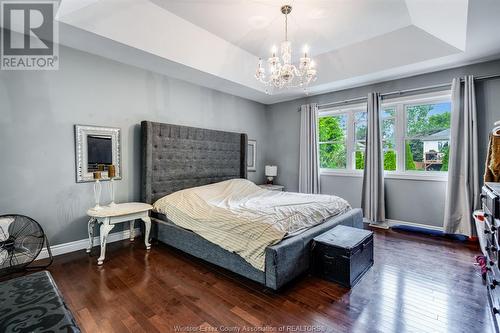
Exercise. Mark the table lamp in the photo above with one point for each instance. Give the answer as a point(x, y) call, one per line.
point(271, 171)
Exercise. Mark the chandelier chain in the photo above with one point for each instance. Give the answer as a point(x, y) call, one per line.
point(286, 27)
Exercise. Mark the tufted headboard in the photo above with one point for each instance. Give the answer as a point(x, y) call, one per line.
point(177, 157)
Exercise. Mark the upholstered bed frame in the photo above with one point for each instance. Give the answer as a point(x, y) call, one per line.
point(177, 157)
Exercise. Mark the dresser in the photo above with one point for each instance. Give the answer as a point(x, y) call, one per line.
point(489, 234)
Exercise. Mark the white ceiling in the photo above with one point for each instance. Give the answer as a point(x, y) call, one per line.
point(216, 43)
point(324, 25)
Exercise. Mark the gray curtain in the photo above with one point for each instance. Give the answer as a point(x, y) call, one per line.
point(462, 193)
point(309, 162)
point(373, 195)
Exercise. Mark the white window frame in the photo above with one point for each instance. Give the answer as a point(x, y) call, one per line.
point(396, 132)
point(400, 104)
point(349, 110)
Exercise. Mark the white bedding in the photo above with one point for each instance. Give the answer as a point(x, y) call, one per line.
point(243, 218)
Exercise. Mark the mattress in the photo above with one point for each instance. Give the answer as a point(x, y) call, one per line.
point(245, 219)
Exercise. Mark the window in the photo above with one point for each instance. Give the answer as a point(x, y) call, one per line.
point(415, 136)
point(333, 141)
point(342, 136)
point(360, 124)
point(388, 123)
point(427, 136)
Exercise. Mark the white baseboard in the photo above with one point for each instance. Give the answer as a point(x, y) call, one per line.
point(413, 224)
point(380, 225)
point(391, 223)
point(125, 234)
point(383, 225)
point(83, 243)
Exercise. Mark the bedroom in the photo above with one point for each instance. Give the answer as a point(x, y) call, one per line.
point(142, 100)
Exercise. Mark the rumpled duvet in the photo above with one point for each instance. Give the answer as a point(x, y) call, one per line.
point(243, 218)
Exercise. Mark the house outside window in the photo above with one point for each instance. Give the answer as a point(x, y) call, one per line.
point(415, 137)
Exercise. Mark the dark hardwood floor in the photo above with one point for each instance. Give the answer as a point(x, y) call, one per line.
point(419, 283)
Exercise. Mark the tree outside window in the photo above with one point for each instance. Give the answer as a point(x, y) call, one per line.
point(427, 136)
point(332, 142)
point(388, 120)
point(360, 123)
point(415, 135)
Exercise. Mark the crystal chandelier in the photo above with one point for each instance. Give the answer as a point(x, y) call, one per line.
point(282, 73)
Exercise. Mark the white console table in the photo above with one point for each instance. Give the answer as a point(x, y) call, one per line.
point(108, 216)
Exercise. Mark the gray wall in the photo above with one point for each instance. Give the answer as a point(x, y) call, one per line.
point(406, 200)
point(39, 108)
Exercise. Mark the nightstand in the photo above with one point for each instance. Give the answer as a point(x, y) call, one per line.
point(272, 187)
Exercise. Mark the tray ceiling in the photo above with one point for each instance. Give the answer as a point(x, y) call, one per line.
point(216, 43)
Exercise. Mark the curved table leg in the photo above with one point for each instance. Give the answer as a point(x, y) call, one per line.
point(90, 227)
point(147, 225)
point(105, 229)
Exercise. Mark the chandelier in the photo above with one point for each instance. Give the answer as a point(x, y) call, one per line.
point(282, 73)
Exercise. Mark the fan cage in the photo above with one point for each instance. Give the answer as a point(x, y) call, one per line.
point(22, 244)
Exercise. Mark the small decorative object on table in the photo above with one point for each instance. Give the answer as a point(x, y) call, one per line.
point(112, 175)
point(343, 254)
point(271, 172)
point(97, 189)
point(107, 217)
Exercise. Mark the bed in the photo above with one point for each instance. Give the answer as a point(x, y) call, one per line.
point(175, 158)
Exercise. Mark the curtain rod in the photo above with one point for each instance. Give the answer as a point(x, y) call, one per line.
point(400, 92)
point(396, 92)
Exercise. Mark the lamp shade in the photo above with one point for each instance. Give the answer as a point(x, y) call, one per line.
point(271, 171)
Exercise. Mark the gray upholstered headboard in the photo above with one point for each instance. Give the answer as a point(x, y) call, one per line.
point(177, 157)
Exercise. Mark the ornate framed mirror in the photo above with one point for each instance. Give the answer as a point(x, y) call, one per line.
point(96, 148)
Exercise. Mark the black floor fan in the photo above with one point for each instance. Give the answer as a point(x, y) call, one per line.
point(21, 241)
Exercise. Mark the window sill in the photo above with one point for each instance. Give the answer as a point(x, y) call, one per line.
point(429, 176)
point(343, 173)
point(422, 176)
